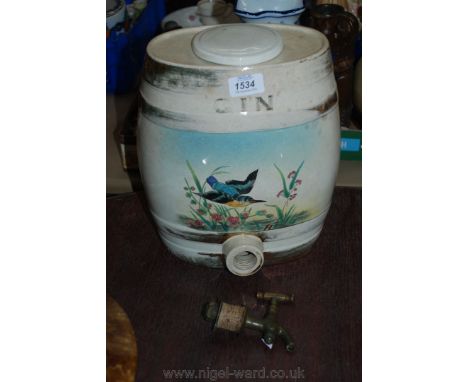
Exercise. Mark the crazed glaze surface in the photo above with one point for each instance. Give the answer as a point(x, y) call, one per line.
point(215, 165)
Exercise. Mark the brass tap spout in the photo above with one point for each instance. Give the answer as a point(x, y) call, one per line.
point(235, 317)
point(271, 328)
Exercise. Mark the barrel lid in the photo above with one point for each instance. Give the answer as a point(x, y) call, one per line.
point(237, 44)
point(176, 48)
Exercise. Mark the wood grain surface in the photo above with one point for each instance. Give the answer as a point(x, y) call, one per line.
point(121, 348)
point(163, 296)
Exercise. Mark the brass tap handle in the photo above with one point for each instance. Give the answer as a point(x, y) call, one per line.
point(279, 297)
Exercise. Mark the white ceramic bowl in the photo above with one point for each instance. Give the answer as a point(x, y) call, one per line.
point(115, 13)
point(269, 11)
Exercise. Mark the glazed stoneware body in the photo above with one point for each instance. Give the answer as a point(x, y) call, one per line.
point(259, 165)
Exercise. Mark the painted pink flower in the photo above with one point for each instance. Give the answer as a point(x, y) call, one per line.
point(233, 220)
point(195, 223)
point(292, 173)
point(216, 217)
point(245, 215)
point(201, 211)
point(279, 193)
point(292, 196)
point(298, 182)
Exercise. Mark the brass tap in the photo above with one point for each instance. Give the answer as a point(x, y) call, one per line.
point(235, 317)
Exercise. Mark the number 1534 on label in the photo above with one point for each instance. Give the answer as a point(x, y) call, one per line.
point(246, 85)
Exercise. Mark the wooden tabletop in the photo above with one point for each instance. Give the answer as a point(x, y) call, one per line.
point(163, 297)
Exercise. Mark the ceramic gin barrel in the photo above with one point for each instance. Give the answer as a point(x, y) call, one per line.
point(238, 140)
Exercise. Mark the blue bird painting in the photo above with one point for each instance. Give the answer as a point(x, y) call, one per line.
point(232, 192)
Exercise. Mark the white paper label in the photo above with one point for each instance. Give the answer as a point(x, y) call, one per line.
point(269, 346)
point(246, 85)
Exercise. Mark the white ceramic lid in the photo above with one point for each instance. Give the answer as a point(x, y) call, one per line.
point(237, 44)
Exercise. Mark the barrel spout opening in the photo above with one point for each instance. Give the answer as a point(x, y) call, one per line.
point(243, 254)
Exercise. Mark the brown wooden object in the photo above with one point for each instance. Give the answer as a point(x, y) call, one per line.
point(121, 349)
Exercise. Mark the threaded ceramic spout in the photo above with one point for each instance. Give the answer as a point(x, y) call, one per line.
point(243, 254)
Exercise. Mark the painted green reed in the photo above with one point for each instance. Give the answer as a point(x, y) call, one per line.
point(286, 191)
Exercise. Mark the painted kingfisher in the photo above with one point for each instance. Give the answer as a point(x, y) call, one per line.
point(232, 192)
